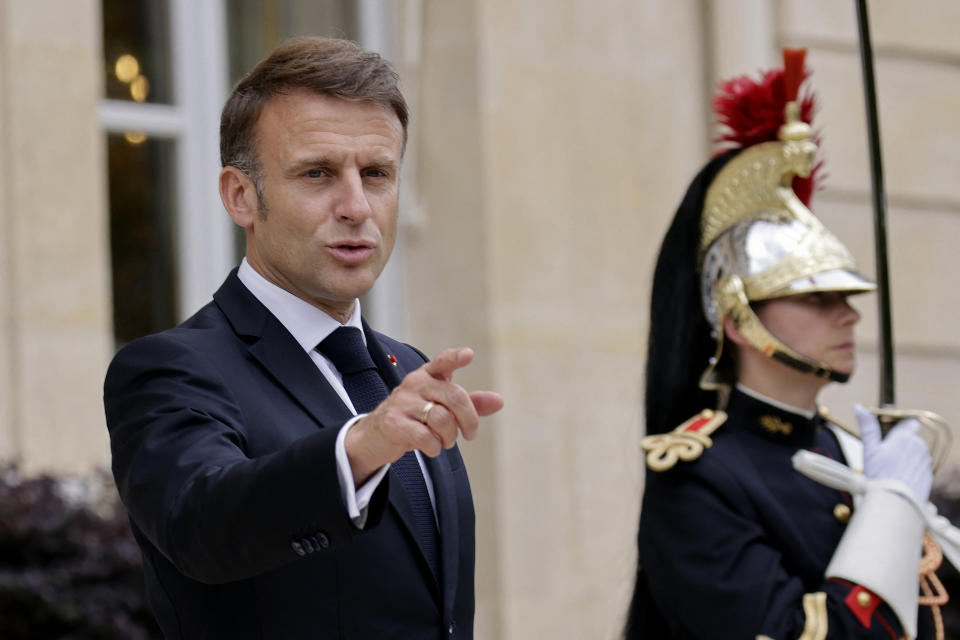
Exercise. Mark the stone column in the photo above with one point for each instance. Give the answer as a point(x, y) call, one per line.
point(555, 140)
point(54, 292)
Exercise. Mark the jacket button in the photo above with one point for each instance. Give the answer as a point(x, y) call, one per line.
point(450, 631)
point(307, 545)
point(298, 548)
point(842, 513)
point(322, 540)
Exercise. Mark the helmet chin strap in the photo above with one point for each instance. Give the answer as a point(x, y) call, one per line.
point(807, 365)
point(732, 301)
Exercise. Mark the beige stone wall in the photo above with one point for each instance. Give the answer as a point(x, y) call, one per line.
point(551, 153)
point(53, 272)
point(7, 410)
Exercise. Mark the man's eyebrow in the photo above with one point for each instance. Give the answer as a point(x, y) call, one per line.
point(383, 163)
point(310, 161)
point(313, 161)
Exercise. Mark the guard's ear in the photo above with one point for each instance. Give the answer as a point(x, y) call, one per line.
point(239, 196)
point(733, 334)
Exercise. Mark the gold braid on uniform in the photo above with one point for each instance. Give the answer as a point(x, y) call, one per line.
point(686, 442)
point(815, 608)
point(934, 594)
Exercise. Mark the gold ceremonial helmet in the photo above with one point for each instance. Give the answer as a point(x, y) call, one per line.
point(760, 241)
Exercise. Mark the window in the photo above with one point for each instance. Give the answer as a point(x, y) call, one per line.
point(168, 65)
point(164, 85)
point(255, 27)
point(142, 229)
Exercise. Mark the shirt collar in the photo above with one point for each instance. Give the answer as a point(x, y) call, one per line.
point(306, 323)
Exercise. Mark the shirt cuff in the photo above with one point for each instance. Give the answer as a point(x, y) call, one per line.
point(356, 498)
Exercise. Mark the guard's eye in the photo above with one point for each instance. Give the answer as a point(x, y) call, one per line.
point(825, 298)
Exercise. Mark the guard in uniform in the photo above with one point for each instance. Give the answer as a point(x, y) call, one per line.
point(749, 320)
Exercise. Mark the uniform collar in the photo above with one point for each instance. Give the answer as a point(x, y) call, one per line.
point(771, 419)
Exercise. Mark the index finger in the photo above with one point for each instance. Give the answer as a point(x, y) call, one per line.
point(449, 360)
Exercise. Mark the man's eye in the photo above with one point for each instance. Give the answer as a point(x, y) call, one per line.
point(316, 173)
point(825, 298)
point(374, 173)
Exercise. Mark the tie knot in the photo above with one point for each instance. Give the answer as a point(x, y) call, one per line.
point(346, 350)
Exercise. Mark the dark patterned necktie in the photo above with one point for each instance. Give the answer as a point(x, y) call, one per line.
point(366, 388)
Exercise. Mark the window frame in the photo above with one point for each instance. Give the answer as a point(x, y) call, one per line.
point(203, 249)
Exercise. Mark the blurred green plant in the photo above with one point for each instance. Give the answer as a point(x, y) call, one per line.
point(69, 566)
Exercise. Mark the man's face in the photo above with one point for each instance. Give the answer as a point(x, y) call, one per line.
point(330, 180)
point(817, 325)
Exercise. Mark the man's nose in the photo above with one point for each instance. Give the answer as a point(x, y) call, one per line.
point(848, 314)
point(352, 204)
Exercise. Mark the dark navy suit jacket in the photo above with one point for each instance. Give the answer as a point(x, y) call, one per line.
point(222, 432)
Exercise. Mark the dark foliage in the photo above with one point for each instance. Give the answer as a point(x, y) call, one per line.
point(67, 571)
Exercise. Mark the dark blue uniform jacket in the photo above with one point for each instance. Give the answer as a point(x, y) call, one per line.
point(735, 543)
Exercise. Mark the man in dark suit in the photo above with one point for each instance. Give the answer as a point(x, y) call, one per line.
point(289, 472)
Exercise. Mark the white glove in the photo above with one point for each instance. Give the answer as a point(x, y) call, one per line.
point(901, 456)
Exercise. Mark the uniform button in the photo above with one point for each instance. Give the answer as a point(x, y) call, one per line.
point(307, 545)
point(841, 512)
point(322, 540)
point(298, 548)
point(450, 631)
point(863, 599)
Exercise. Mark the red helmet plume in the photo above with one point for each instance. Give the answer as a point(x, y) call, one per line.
point(751, 112)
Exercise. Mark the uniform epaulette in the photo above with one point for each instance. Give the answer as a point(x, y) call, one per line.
point(686, 442)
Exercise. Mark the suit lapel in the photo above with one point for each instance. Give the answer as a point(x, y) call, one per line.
point(286, 360)
point(390, 368)
point(276, 350)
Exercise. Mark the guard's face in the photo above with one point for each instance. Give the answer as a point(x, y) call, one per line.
point(330, 179)
point(817, 325)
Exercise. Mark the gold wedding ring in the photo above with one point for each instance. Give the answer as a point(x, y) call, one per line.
point(425, 412)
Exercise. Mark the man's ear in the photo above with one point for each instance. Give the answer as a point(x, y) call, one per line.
point(732, 333)
point(239, 196)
